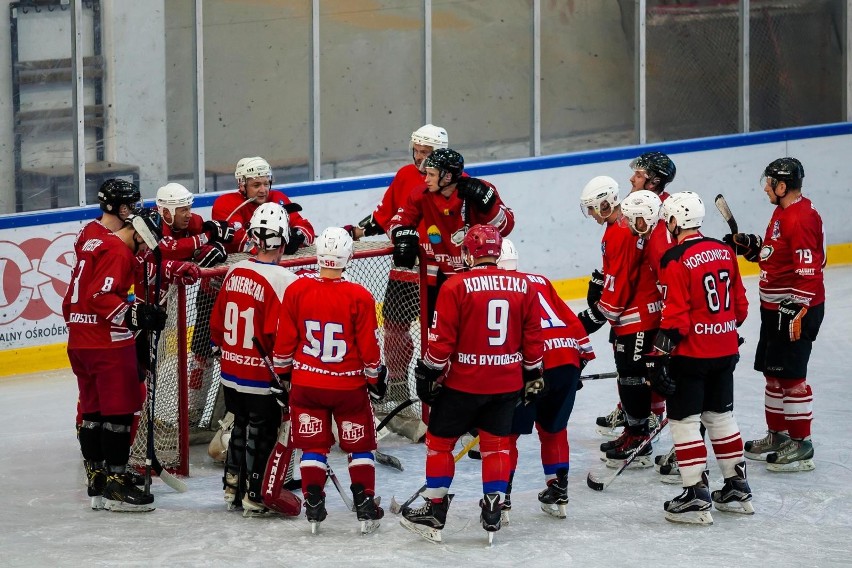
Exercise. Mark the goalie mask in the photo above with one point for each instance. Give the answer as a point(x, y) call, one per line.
point(600, 195)
point(114, 193)
point(687, 209)
point(508, 256)
point(334, 248)
point(171, 197)
point(481, 241)
point(269, 227)
point(642, 205)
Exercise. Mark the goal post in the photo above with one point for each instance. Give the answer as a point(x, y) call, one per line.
point(189, 402)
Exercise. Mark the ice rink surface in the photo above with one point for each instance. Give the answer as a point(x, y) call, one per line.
point(802, 519)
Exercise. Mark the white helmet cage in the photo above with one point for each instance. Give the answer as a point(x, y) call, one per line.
point(172, 196)
point(687, 209)
point(599, 190)
point(252, 168)
point(429, 135)
point(642, 204)
point(334, 248)
point(508, 255)
point(269, 227)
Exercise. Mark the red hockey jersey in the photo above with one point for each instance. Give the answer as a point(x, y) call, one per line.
point(229, 207)
point(487, 324)
point(180, 244)
point(565, 339)
point(247, 306)
point(703, 297)
point(792, 259)
point(327, 334)
point(101, 290)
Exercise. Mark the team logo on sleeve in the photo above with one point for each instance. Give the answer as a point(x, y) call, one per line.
point(434, 234)
point(776, 229)
point(309, 425)
point(352, 432)
point(766, 252)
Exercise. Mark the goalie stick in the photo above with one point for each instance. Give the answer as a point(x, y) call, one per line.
point(600, 485)
point(722, 206)
point(396, 508)
point(153, 340)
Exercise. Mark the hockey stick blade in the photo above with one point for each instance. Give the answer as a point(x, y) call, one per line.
point(167, 477)
point(727, 215)
point(600, 485)
point(389, 460)
point(599, 376)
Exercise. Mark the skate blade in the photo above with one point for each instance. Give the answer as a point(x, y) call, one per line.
point(671, 479)
point(395, 508)
point(504, 517)
point(691, 518)
point(756, 457)
point(740, 507)
point(607, 432)
point(368, 527)
point(258, 513)
point(97, 503)
point(429, 533)
point(642, 462)
point(799, 465)
point(122, 507)
point(314, 527)
point(560, 511)
point(490, 538)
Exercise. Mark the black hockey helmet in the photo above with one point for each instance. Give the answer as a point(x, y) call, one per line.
point(789, 170)
point(114, 193)
point(446, 161)
point(148, 223)
point(661, 169)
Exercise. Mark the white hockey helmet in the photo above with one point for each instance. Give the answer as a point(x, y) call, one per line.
point(642, 204)
point(252, 168)
point(508, 255)
point(600, 189)
point(334, 248)
point(687, 209)
point(269, 227)
point(430, 135)
point(172, 196)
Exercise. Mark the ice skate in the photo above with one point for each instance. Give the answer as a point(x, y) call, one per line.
point(735, 495)
point(554, 499)
point(666, 466)
point(491, 514)
point(427, 520)
point(366, 508)
point(122, 496)
point(231, 483)
point(793, 455)
point(692, 506)
point(255, 509)
point(96, 477)
point(608, 425)
point(630, 442)
point(315, 507)
point(758, 449)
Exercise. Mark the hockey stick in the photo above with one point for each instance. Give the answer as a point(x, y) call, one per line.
point(347, 500)
point(599, 376)
point(600, 485)
point(396, 508)
point(727, 215)
point(240, 206)
point(387, 459)
point(153, 340)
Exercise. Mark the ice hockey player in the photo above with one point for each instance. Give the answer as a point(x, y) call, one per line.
point(488, 324)
point(102, 313)
point(629, 299)
point(695, 353)
point(402, 306)
point(567, 349)
point(246, 310)
point(327, 348)
point(791, 257)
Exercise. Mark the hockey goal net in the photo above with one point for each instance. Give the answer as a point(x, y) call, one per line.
point(189, 402)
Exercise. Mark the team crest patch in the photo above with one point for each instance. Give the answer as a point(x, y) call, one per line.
point(434, 235)
point(309, 425)
point(766, 252)
point(603, 248)
point(776, 229)
point(352, 432)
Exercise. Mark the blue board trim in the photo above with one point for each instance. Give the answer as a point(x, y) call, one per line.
point(15, 220)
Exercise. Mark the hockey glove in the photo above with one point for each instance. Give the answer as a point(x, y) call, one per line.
point(379, 388)
point(219, 231)
point(592, 319)
point(480, 193)
point(297, 238)
point(210, 254)
point(178, 272)
point(148, 317)
point(281, 390)
point(371, 228)
point(291, 207)
point(658, 374)
point(790, 316)
point(533, 384)
point(405, 245)
point(745, 245)
point(427, 384)
point(596, 285)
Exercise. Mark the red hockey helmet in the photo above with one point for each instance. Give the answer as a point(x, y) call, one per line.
point(482, 240)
